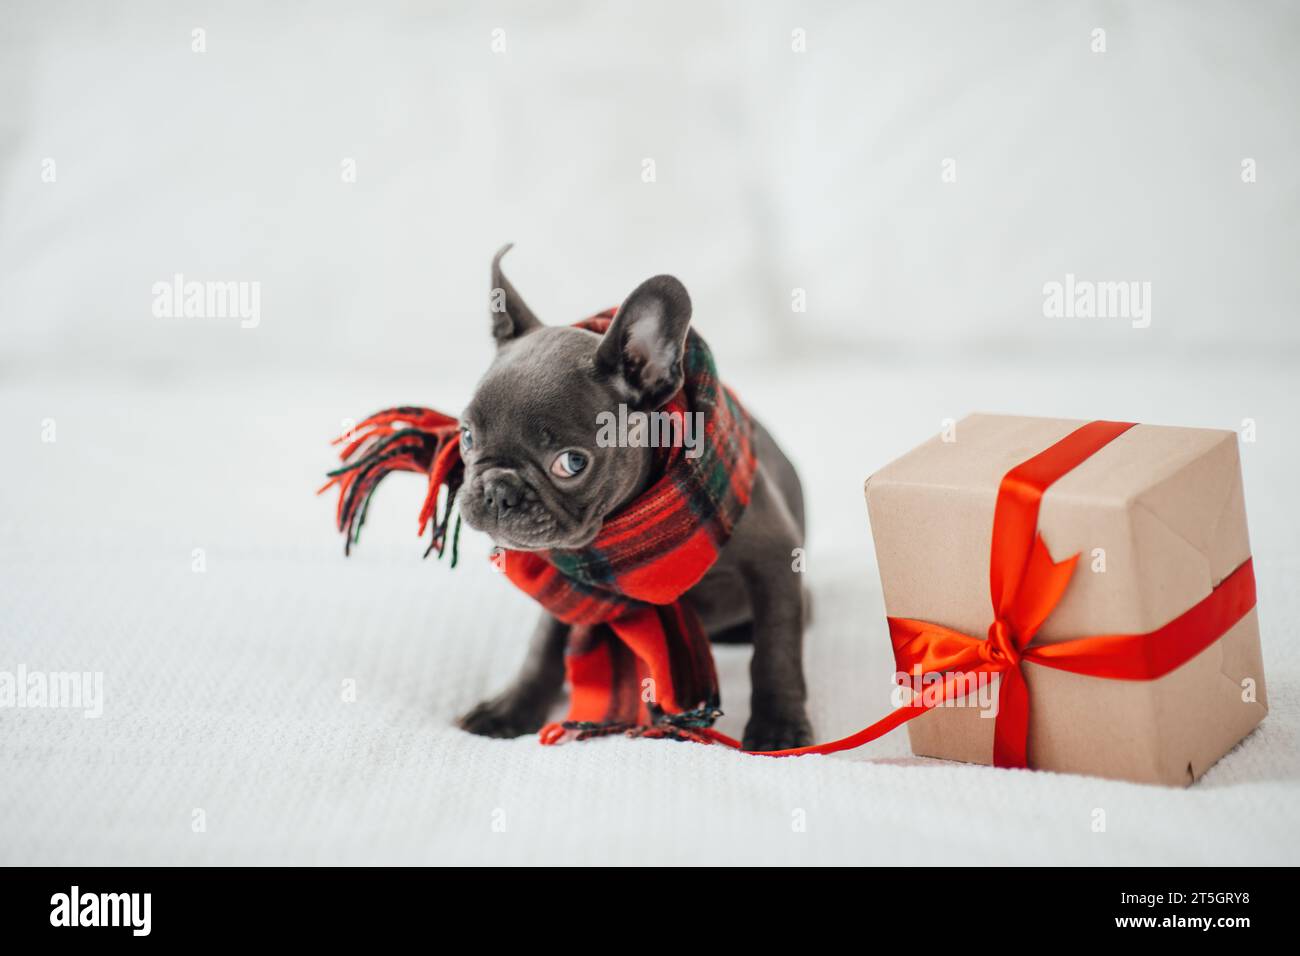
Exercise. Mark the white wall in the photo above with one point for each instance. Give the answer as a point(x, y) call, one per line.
point(776, 170)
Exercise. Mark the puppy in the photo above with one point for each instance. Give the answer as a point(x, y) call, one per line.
point(535, 479)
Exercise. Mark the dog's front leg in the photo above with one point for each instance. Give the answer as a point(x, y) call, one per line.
point(777, 716)
point(523, 707)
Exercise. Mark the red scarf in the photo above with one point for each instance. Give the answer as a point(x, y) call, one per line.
point(638, 659)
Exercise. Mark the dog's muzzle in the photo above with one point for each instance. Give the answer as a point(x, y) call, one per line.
point(502, 493)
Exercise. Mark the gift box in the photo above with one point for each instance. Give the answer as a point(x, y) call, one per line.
point(1072, 596)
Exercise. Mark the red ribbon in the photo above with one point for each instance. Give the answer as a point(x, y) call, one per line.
point(1026, 585)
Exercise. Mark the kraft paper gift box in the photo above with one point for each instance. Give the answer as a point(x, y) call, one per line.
point(1157, 516)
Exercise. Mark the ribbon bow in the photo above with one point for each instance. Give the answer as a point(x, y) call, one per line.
point(941, 650)
point(1025, 585)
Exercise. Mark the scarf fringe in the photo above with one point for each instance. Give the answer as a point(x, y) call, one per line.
point(564, 730)
point(688, 725)
point(405, 438)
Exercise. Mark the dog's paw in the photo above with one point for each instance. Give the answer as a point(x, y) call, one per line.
point(508, 715)
point(777, 733)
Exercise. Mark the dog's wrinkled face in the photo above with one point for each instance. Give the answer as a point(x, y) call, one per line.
point(536, 477)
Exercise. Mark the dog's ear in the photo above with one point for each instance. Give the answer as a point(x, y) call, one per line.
point(511, 316)
point(643, 347)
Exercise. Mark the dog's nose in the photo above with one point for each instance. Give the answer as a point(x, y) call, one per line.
point(502, 491)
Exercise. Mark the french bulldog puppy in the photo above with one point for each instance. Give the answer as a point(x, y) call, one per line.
point(535, 479)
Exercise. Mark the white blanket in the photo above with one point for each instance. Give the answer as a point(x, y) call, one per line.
point(223, 689)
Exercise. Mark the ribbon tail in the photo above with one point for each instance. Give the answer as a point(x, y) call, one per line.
point(1041, 589)
point(952, 688)
point(1011, 729)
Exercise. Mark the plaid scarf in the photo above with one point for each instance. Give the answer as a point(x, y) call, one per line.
point(638, 660)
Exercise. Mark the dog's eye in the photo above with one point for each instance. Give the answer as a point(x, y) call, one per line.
point(568, 463)
point(466, 439)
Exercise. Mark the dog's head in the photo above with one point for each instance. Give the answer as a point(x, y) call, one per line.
point(536, 477)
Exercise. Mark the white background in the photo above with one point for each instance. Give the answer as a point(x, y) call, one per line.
point(775, 170)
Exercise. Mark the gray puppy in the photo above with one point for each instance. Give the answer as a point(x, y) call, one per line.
point(536, 480)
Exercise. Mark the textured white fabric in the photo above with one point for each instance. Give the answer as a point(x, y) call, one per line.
point(223, 689)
